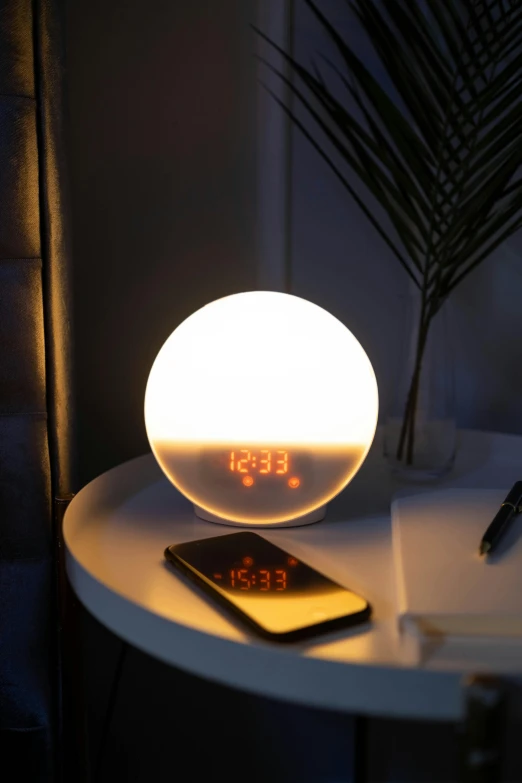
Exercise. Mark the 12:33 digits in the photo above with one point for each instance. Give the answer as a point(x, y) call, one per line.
point(263, 461)
point(264, 580)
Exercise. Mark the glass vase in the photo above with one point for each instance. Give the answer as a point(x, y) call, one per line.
point(420, 430)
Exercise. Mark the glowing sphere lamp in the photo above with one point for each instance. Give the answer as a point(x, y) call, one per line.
point(260, 408)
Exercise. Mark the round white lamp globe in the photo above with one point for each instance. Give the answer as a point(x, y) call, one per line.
point(260, 408)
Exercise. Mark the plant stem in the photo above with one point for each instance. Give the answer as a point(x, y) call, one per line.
point(415, 393)
point(410, 411)
point(405, 423)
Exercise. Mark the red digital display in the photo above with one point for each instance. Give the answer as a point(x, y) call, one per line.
point(245, 577)
point(263, 580)
point(261, 462)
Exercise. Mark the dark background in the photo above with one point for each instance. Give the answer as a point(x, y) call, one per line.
point(163, 134)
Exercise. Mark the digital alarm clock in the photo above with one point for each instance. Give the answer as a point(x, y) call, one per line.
point(260, 408)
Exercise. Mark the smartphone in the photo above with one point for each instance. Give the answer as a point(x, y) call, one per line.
point(274, 593)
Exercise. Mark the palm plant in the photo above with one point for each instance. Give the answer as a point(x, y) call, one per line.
point(440, 154)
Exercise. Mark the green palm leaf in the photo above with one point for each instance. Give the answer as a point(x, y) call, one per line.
point(440, 152)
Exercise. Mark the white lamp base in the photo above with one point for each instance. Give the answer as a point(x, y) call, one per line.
point(306, 519)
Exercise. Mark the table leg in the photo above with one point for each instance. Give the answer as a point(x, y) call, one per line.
point(113, 695)
point(360, 766)
point(72, 757)
point(482, 730)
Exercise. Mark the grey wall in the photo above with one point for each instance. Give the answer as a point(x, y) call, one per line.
point(339, 261)
point(162, 98)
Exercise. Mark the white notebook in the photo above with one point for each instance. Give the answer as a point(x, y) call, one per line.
point(444, 588)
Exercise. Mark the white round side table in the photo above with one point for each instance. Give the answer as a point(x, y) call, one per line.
point(118, 526)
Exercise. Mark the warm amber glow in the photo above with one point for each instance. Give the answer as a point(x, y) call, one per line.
point(293, 482)
point(266, 385)
point(203, 475)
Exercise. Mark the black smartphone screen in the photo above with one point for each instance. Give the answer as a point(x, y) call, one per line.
point(275, 592)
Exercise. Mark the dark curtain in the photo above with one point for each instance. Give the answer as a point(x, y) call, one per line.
point(35, 408)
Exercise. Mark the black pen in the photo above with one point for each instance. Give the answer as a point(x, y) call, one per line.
point(508, 509)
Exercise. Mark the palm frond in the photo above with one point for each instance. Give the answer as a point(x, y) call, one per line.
point(441, 151)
